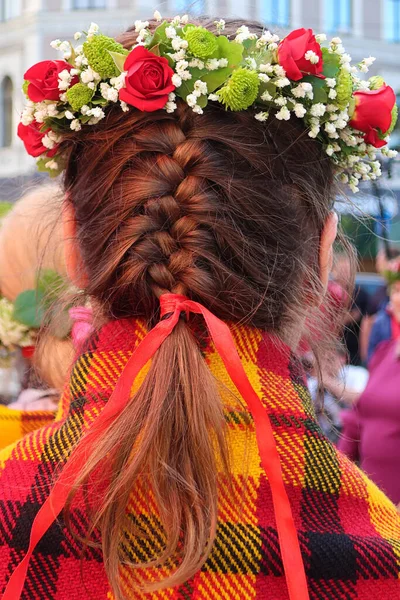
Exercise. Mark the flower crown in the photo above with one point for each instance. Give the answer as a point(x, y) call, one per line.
point(293, 77)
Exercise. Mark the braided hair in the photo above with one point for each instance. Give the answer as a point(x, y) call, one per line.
point(227, 211)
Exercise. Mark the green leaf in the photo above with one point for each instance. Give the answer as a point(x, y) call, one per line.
point(187, 87)
point(234, 53)
point(50, 284)
point(119, 59)
point(28, 308)
point(319, 89)
point(159, 35)
point(331, 63)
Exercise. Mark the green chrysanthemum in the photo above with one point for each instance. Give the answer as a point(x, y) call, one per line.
point(25, 87)
point(79, 95)
point(376, 82)
point(344, 88)
point(241, 91)
point(97, 53)
point(201, 42)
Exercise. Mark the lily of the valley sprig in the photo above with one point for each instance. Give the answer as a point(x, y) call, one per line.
point(302, 76)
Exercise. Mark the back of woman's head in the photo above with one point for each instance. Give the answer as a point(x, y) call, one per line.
point(227, 211)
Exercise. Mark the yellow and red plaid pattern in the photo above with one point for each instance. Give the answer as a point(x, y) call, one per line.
point(349, 532)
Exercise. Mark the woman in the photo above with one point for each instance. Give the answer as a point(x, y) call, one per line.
point(202, 474)
point(387, 323)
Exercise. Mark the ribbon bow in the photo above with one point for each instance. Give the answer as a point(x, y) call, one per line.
point(172, 305)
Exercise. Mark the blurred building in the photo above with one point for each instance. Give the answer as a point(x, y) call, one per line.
point(368, 27)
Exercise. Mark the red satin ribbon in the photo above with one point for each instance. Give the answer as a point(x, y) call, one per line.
point(173, 305)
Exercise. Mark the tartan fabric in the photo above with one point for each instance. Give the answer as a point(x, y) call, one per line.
point(14, 424)
point(349, 532)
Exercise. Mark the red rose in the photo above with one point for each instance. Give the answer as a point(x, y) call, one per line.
point(33, 139)
point(43, 80)
point(292, 54)
point(373, 114)
point(148, 81)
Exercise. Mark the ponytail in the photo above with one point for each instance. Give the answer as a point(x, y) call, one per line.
point(166, 442)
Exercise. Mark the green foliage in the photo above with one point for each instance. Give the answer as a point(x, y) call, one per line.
point(395, 115)
point(97, 51)
point(79, 95)
point(376, 82)
point(119, 60)
point(25, 88)
point(241, 90)
point(344, 88)
point(31, 306)
point(331, 63)
point(28, 308)
point(5, 208)
point(41, 167)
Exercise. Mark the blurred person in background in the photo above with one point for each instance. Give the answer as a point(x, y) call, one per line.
point(371, 429)
point(337, 385)
point(31, 239)
point(357, 300)
point(377, 301)
point(386, 325)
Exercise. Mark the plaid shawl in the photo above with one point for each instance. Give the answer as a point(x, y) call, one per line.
point(349, 532)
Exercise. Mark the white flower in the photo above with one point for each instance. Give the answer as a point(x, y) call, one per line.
point(12, 333)
point(223, 62)
point(77, 35)
point(303, 90)
point(279, 71)
point(170, 107)
point(220, 25)
point(272, 46)
point(264, 77)
point(363, 85)
point(170, 32)
point(212, 64)
point(97, 112)
point(26, 117)
point(213, 97)
point(331, 108)
point(69, 115)
point(312, 57)
point(85, 109)
point(283, 114)
point(181, 66)
point(313, 133)
point(344, 178)
point(280, 101)
point(330, 128)
point(191, 100)
point(93, 29)
point(336, 41)
point(196, 63)
point(92, 85)
point(261, 116)
point(124, 106)
point(198, 110)
point(281, 83)
point(320, 37)
point(266, 68)
point(242, 34)
point(179, 44)
point(52, 164)
point(201, 86)
point(251, 62)
point(330, 150)
point(186, 75)
point(75, 125)
point(55, 44)
point(363, 68)
point(318, 110)
point(299, 110)
point(89, 75)
point(332, 94)
point(140, 25)
point(345, 59)
point(157, 16)
point(266, 97)
point(392, 153)
point(176, 80)
point(330, 82)
point(118, 82)
point(185, 20)
point(48, 142)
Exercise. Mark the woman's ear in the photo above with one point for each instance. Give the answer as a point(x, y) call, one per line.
point(73, 258)
point(328, 238)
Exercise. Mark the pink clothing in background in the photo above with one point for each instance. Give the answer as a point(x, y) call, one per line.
point(371, 430)
point(82, 318)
